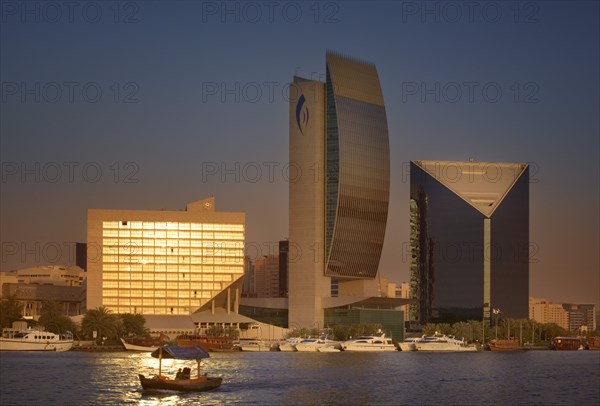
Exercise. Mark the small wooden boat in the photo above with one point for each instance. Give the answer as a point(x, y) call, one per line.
point(593, 343)
point(508, 344)
point(147, 344)
point(180, 383)
point(209, 343)
point(567, 344)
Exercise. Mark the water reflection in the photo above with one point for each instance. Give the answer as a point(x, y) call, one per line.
point(544, 377)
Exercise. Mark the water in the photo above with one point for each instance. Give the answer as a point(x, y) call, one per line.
point(279, 378)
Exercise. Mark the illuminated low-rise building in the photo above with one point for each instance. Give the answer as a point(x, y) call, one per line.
point(158, 262)
point(33, 286)
point(570, 316)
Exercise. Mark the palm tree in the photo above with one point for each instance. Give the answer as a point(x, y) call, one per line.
point(101, 320)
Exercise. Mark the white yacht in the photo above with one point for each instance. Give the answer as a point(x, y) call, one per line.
point(330, 348)
point(409, 344)
point(442, 342)
point(290, 344)
point(370, 343)
point(34, 340)
point(255, 346)
point(316, 344)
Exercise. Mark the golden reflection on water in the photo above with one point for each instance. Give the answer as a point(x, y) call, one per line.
point(74, 378)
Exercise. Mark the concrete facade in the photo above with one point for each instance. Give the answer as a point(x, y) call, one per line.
point(307, 282)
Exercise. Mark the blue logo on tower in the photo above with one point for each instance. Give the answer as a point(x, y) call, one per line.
point(302, 114)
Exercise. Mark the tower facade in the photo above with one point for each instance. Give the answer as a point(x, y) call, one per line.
point(338, 186)
point(158, 262)
point(469, 240)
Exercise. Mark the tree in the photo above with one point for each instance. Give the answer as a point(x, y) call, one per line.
point(132, 324)
point(10, 310)
point(53, 319)
point(101, 320)
point(50, 310)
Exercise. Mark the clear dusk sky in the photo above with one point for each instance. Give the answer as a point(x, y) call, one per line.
point(154, 104)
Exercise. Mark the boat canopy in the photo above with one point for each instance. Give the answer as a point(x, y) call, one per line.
point(168, 351)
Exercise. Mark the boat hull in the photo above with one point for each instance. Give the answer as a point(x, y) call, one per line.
point(369, 348)
point(593, 343)
point(407, 347)
point(260, 347)
point(329, 348)
point(219, 344)
point(182, 385)
point(7, 344)
point(567, 344)
point(504, 345)
point(134, 347)
point(444, 348)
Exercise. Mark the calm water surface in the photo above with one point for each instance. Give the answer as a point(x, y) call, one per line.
point(279, 378)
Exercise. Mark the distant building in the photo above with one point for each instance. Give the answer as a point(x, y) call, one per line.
point(33, 286)
point(403, 292)
point(266, 276)
point(158, 262)
point(570, 316)
point(81, 255)
point(248, 289)
point(284, 247)
point(469, 237)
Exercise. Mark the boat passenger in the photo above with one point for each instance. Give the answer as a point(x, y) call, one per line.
point(179, 374)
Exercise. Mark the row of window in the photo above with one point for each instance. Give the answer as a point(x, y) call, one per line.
point(159, 225)
point(157, 309)
point(155, 269)
point(126, 276)
point(203, 292)
point(185, 304)
point(132, 243)
point(160, 260)
point(216, 235)
point(128, 251)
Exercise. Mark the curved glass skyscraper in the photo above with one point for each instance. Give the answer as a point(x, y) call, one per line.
point(357, 169)
point(339, 186)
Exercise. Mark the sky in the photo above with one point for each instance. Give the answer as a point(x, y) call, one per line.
point(154, 104)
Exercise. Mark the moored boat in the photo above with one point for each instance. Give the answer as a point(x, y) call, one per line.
point(255, 346)
point(209, 343)
point(289, 345)
point(316, 344)
point(182, 382)
point(443, 343)
point(567, 344)
point(147, 344)
point(329, 348)
point(34, 340)
point(408, 344)
point(508, 344)
point(593, 343)
point(370, 343)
